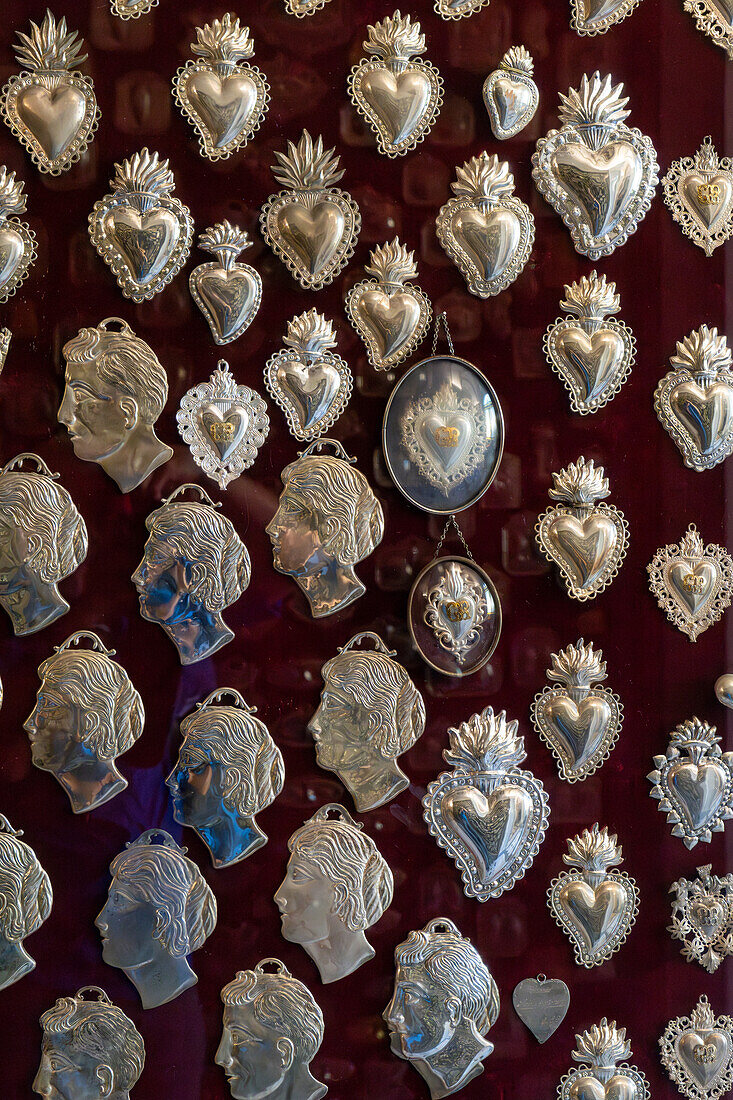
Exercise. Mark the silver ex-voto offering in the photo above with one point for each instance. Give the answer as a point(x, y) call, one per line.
point(702, 917)
point(595, 907)
point(458, 9)
point(579, 720)
point(485, 229)
point(699, 192)
point(301, 8)
point(311, 384)
point(715, 19)
point(227, 293)
point(510, 94)
point(228, 769)
point(223, 98)
point(587, 540)
point(140, 230)
point(90, 1048)
point(25, 902)
point(598, 16)
point(337, 885)
point(445, 1001)
point(592, 353)
point(87, 713)
point(541, 1004)
point(460, 609)
point(488, 814)
point(598, 174)
point(132, 9)
point(398, 93)
point(50, 109)
point(224, 425)
point(390, 315)
point(311, 226)
point(599, 1050)
point(691, 582)
point(17, 239)
point(697, 1053)
point(693, 782)
point(272, 1030)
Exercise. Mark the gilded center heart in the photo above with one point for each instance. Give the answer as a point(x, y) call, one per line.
point(706, 414)
point(225, 429)
point(584, 546)
point(311, 388)
point(705, 1055)
point(145, 241)
point(604, 182)
point(313, 233)
point(224, 105)
point(493, 827)
point(707, 196)
point(391, 319)
point(693, 586)
point(577, 728)
point(590, 361)
point(445, 439)
point(489, 240)
point(399, 100)
point(459, 616)
point(53, 115)
point(596, 912)
point(698, 790)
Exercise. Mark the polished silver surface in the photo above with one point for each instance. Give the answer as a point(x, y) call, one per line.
point(702, 917)
point(194, 566)
point(5, 337)
point(724, 690)
point(397, 93)
point(455, 610)
point(17, 240)
point(223, 98)
point(159, 911)
point(593, 17)
point(228, 770)
point(87, 713)
point(699, 192)
point(132, 9)
point(715, 19)
point(115, 390)
point(90, 1048)
point(43, 540)
point(327, 521)
point(595, 907)
point(227, 293)
point(541, 1004)
point(444, 1003)
point(691, 582)
point(458, 9)
point(272, 1030)
point(224, 424)
point(697, 1052)
point(337, 885)
point(311, 226)
point(600, 1049)
point(140, 230)
point(301, 8)
point(585, 539)
point(510, 94)
point(592, 354)
point(488, 814)
point(693, 782)
point(598, 174)
point(25, 902)
point(486, 231)
point(52, 111)
point(310, 383)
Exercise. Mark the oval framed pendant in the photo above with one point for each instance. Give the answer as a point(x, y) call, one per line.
point(443, 434)
point(454, 616)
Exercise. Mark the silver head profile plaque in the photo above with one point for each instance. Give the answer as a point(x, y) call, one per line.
point(25, 902)
point(445, 1001)
point(116, 389)
point(272, 1030)
point(90, 1048)
point(337, 885)
point(327, 521)
point(370, 713)
point(87, 713)
point(194, 566)
point(159, 911)
point(228, 769)
point(43, 539)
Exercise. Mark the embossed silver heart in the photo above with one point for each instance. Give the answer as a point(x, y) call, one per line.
point(312, 234)
point(145, 241)
point(698, 791)
point(312, 388)
point(604, 182)
point(705, 414)
point(513, 99)
point(694, 184)
point(223, 105)
point(225, 427)
point(590, 361)
point(54, 116)
point(618, 1087)
point(584, 547)
point(228, 299)
point(693, 586)
point(488, 240)
point(459, 626)
point(576, 729)
point(704, 1070)
point(12, 248)
point(596, 914)
point(433, 427)
point(388, 321)
point(399, 101)
point(708, 915)
point(493, 827)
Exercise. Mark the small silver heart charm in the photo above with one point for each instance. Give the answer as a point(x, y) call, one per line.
point(715, 19)
point(224, 425)
point(598, 16)
point(458, 9)
point(485, 229)
point(600, 1077)
point(697, 1053)
point(5, 336)
point(227, 293)
point(140, 230)
point(224, 100)
point(132, 9)
point(587, 540)
point(592, 355)
point(691, 582)
point(694, 782)
point(17, 239)
point(541, 1004)
point(510, 94)
point(699, 192)
point(52, 111)
point(398, 96)
point(311, 385)
point(702, 917)
point(595, 907)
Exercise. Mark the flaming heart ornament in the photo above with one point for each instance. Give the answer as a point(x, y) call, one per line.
point(598, 16)
point(458, 9)
point(715, 19)
point(699, 192)
point(311, 385)
point(224, 100)
point(597, 173)
point(140, 230)
point(400, 97)
point(488, 814)
point(132, 9)
point(17, 239)
point(694, 782)
point(579, 721)
point(390, 315)
point(697, 1053)
point(595, 907)
point(702, 917)
point(691, 582)
point(227, 293)
point(510, 94)
point(52, 111)
point(592, 355)
point(587, 540)
point(224, 425)
point(5, 335)
point(599, 1076)
point(312, 226)
point(301, 8)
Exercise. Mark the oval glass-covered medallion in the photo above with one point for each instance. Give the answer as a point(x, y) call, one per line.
point(454, 616)
point(443, 434)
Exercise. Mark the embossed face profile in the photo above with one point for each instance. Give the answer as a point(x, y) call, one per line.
point(337, 885)
point(25, 902)
point(272, 1031)
point(90, 1049)
point(115, 391)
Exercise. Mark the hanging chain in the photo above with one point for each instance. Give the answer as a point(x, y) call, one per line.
point(452, 521)
point(442, 319)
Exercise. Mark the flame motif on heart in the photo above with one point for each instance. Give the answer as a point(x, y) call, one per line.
point(227, 293)
point(694, 782)
point(697, 1052)
point(17, 239)
point(692, 583)
point(456, 609)
point(600, 1049)
point(699, 193)
point(510, 94)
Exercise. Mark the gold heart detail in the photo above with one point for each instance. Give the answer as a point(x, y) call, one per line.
point(225, 430)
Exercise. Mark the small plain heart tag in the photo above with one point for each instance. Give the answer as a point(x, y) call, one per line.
point(542, 1004)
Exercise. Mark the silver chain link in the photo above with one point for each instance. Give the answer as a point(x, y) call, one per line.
point(442, 318)
point(452, 521)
